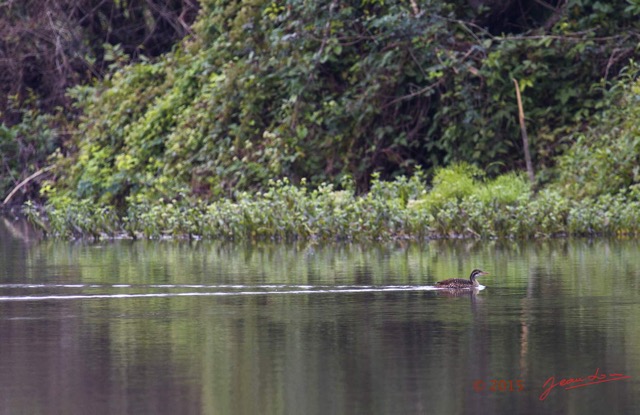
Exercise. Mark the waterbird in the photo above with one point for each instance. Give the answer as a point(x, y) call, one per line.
point(461, 282)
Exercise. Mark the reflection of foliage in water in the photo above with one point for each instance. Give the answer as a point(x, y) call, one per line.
point(510, 263)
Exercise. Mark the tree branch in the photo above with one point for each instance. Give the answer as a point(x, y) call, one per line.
point(24, 182)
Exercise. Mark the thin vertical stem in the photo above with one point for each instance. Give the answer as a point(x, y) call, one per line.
point(523, 130)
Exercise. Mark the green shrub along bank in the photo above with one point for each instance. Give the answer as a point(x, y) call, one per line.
point(604, 158)
point(461, 203)
point(352, 120)
point(595, 191)
point(331, 90)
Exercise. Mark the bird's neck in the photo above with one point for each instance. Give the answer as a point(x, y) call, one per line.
point(473, 281)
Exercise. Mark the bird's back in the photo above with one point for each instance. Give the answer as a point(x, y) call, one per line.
point(454, 282)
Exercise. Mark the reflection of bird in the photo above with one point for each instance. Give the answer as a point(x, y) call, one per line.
point(471, 293)
point(462, 283)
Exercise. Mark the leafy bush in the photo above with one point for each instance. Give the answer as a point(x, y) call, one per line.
point(404, 208)
point(302, 120)
point(605, 157)
point(335, 90)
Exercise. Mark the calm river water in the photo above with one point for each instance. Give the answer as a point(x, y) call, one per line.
point(212, 328)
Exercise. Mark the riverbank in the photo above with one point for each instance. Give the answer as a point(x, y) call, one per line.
point(457, 205)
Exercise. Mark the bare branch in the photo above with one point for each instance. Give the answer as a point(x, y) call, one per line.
point(25, 182)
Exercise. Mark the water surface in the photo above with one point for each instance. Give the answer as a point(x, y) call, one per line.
point(202, 327)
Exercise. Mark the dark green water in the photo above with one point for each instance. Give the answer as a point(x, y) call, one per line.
point(210, 328)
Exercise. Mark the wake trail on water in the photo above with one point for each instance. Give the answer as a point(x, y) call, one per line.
point(204, 290)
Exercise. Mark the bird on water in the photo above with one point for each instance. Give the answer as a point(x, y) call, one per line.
point(461, 282)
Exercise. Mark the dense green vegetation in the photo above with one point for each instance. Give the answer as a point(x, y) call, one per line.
point(459, 205)
point(329, 91)
point(605, 156)
point(338, 119)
